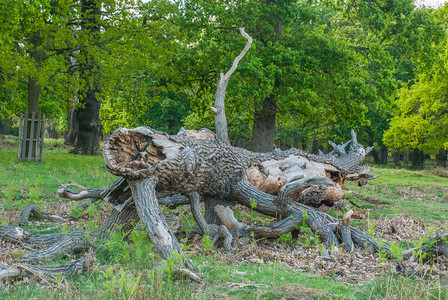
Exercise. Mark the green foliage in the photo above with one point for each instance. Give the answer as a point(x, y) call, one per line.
point(310, 79)
point(420, 120)
point(207, 244)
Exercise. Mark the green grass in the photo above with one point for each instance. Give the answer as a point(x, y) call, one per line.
point(407, 177)
point(263, 280)
point(126, 269)
point(392, 286)
point(23, 182)
point(416, 193)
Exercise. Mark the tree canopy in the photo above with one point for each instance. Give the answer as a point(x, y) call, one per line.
point(315, 69)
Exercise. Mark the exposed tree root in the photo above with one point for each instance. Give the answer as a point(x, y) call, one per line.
point(33, 210)
point(44, 272)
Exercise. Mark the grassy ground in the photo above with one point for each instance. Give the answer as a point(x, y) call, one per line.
point(415, 201)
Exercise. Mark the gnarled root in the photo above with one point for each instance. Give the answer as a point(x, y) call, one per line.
point(44, 272)
point(330, 230)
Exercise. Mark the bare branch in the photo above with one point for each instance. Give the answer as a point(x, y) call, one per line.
point(219, 108)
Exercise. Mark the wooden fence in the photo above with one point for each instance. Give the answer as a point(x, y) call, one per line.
point(31, 136)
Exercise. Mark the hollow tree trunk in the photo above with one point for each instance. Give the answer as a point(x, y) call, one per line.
point(154, 161)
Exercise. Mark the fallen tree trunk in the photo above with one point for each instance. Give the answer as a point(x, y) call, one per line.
point(196, 162)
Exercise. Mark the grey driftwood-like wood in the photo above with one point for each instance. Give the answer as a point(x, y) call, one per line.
point(185, 164)
point(219, 110)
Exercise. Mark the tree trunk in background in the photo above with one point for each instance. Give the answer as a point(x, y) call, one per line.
point(72, 132)
point(441, 158)
point(3, 129)
point(383, 155)
point(34, 91)
point(406, 156)
point(89, 134)
point(88, 118)
point(33, 95)
point(264, 126)
point(418, 158)
point(315, 147)
point(376, 158)
point(396, 157)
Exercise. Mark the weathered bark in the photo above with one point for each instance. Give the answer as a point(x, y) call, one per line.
point(144, 194)
point(33, 209)
point(43, 272)
point(219, 109)
point(184, 164)
point(122, 221)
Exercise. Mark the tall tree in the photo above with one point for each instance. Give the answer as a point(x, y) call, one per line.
point(301, 65)
point(420, 120)
point(87, 114)
point(31, 41)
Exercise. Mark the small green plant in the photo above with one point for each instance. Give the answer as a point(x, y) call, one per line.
point(115, 249)
point(418, 252)
point(119, 282)
point(396, 251)
point(371, 230)
point(76, 213)
point(207, 244)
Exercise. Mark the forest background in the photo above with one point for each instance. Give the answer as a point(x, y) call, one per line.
point(316, 69)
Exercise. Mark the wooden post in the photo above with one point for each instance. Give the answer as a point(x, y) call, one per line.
point(20, 136)
point(42, 138)
point(31, 132)
point(38, 137)
point(30, 142)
